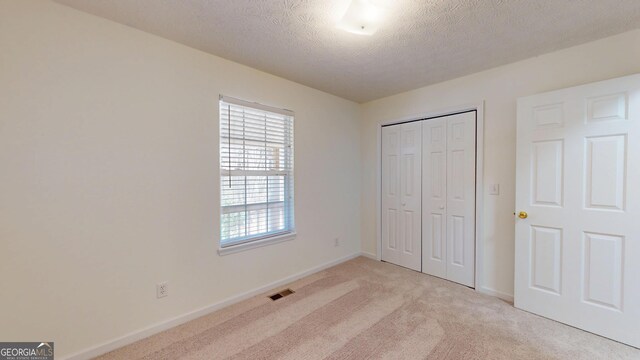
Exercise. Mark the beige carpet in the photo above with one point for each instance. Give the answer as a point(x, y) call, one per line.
point(364, 309)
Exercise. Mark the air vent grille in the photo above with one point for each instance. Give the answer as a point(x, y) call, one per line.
point(281, 294)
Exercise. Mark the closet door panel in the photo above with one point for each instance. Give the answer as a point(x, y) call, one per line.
point(410, 198)
point(391, 194)
point(434, 197)
point(401, 195)
point(460, 202)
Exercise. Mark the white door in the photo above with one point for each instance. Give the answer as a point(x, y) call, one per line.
point(578, 179)
point(401, 206)
point(448, 181)
point(434, 197)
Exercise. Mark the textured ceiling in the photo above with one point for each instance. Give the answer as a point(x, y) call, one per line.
point(421, 42)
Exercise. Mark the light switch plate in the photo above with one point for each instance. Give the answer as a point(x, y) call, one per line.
point(494, 189)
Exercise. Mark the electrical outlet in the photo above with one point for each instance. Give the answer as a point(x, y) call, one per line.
point(336, 242)
point(162, 289)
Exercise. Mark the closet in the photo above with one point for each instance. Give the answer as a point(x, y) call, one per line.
point(428, 196)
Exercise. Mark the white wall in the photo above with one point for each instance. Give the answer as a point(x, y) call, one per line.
point(498, 88)
point(109, 180)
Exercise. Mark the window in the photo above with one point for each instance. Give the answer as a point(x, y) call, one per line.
point(256, 168)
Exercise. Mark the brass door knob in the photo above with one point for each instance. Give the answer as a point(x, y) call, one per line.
point(523, 215)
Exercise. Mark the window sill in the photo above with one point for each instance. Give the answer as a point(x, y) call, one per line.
point(255, 244)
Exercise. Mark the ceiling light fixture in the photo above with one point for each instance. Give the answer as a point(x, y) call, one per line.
point(362, 18)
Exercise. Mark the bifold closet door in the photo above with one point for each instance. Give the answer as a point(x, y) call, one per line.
point(448, 197)
point(401, 195)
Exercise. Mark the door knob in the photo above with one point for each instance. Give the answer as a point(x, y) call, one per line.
point(441, 207)
point(403, 204)
point(523, 215)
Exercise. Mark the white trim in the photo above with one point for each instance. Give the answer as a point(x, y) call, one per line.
point(479, 195)
point(479, 108)
point(442, 112)
point(255, 105)
point(252, 244)
point(132, 337)
point(499, 294)
point(379, 194)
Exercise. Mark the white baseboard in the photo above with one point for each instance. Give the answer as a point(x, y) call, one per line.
point(483, 289)
point(369, 255)
point(499, 294)
point(167, 324)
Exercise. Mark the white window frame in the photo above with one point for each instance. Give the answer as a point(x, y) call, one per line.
point(259, 240)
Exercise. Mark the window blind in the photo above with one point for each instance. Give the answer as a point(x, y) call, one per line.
point(256, 168)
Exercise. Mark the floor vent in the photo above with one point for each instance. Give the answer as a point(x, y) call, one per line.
point(281, 294)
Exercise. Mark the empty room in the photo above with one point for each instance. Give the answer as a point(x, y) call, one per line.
point(319, 179)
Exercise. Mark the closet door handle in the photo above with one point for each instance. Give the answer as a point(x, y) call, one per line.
point(441, 207)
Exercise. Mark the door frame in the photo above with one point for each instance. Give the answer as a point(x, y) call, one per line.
point(479, 180)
